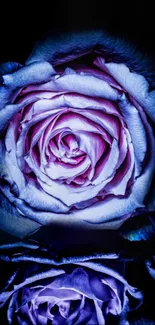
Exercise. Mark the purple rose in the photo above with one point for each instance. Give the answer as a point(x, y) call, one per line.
point(76, 141)
point(75, 290)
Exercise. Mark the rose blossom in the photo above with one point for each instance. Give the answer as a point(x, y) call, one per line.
point(75, 290)
point(76, 141)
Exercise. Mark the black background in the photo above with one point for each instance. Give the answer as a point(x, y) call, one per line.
point(22, 23)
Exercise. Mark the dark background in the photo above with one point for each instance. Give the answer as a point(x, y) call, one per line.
point(23, 23)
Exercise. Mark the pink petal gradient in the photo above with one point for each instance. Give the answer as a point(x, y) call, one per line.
point(77, 145)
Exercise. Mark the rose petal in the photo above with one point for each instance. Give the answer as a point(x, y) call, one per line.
point(99, 313)
point(78, 280)
point(71, 47)
point(44, 120)
point(86, 70)
point(10, 155)
point(86, 85)
point(64, 171)
point(106, 169)
point(136, 129)
point(9, 111)
point(135, 84)
point(30, 194)
point(92, 144)
point(13, 222)
point(7, 96)
point(9, 67)
point(108, 122)
point(37, 72)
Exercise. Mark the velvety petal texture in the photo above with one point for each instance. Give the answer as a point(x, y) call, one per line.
point(76, 140)
point(74, 290)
